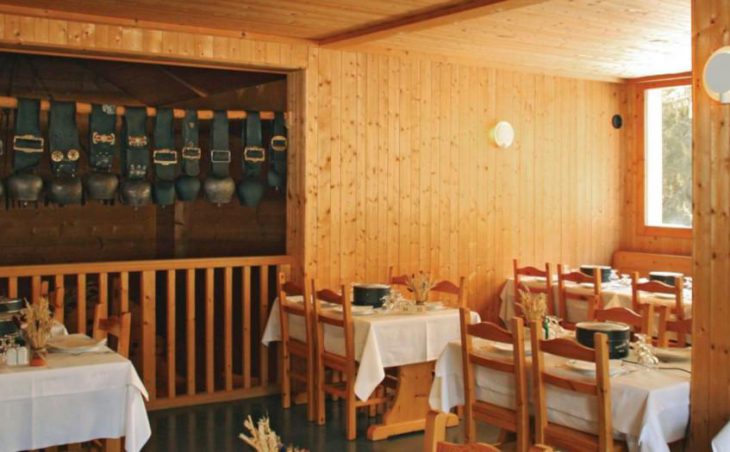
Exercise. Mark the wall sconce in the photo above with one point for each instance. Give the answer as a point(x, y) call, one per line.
point(503, 134)
point(716, 76)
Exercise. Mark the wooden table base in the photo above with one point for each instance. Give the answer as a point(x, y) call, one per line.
point(409, 410)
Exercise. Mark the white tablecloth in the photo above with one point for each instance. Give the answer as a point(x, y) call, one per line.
point(75, 398)
point(650, 407)
point(721, 442)
point(613, 295)
point(381, 340)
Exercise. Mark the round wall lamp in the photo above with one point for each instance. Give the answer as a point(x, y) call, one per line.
point(716, 76)
point(503, 134)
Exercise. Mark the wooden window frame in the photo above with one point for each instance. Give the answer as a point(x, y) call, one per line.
point(642, 85)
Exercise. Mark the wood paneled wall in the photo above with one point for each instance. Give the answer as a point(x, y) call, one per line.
point(391, 161)
point(402, 170)
point(711, 175)
point(632, 162)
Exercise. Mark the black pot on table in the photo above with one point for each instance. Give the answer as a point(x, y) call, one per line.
point(618, 334)
point(369, 294)
point(604, 269)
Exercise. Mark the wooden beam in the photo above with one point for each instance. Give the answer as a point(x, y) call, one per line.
point(421, 21)
point(186, 84)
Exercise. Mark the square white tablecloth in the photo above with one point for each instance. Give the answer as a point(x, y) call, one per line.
point(75, 398)
point(381, 340)
point(650, 408)
point(615, 294)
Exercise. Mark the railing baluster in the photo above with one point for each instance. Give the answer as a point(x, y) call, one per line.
point(58, 301)
point(190, 328)
point(228, 326)
point(171, 392)
point(209, 336)
point(124, 291)
point(263, 316)
point(36, 290)
point(246, 314)
point(104, 290)
point(13, 287)
point(148, 333)
point(81, 303)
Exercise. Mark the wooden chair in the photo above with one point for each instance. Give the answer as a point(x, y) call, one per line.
point(658, 287)
point(396, 280)
point(119, 327)
point(680, 326)
point(558, 435)
point(300, 348)
point(567, 293)
point(519, 272)
point(450, 293)
point(436, 433)
point(344, 364)
point(639, 323)
point(514, 420)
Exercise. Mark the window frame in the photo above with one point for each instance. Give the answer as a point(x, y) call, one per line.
point(642, 85)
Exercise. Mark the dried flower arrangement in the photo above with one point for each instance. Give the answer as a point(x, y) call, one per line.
point(36, 322)
point(534, 305)
point(263, 438)
point(420, 285)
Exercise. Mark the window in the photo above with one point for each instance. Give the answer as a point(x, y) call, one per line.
point(668, 157)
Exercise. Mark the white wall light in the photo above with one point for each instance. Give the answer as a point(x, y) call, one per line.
point(716, 76)
point(503, 134)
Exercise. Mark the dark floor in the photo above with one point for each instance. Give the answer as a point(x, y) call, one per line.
point(216, 428)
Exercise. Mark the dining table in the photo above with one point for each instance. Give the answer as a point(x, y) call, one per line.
point(73, 398)
point(616, 293)
point(649, 405)
point(408, 341)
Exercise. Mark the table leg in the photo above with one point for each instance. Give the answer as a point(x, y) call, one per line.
point(410, 407)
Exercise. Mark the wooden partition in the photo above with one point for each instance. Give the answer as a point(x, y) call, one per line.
point(196, 323)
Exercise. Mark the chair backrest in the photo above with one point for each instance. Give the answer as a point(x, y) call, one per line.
point(287, 307)
point(658, 287)
point(324, 317)
point(547, 289)
point(566, 292)
point(639, 323)
point(396, 280)
point(455, 295)
point(118, 326)
point(599, 388)
point(514, 366)
point(680, 326)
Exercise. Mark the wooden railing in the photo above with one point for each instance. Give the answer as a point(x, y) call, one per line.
point(196, 323)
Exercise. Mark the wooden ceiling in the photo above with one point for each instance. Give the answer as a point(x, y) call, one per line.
point(602, 39)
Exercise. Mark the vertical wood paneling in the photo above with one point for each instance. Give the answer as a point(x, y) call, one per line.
point(711, 250)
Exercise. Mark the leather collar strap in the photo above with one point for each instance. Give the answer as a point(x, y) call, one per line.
point(27, 142)
point(63, 139)
point(136, 155)
point(102, 137)
point(220, 149)
point(253, 152)
point(191, 148)
point(277, 155)
point(165, 155)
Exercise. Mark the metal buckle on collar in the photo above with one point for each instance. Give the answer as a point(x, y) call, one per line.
point(28, 143)
point(279, 143)
point(164, 157)
point(137, 141)
point(191, 153)
point(220, 156)
point(109, 138)
point(254, 154)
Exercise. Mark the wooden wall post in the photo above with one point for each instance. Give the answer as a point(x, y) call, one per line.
point(710, 400)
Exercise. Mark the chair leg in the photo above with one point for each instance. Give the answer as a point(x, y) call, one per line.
point(285, 380)
point(351, 416)
point(311, 402)
point(320, 396)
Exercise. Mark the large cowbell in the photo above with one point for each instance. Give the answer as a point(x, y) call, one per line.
point(136, 190)
point(219, 185)
point(24, 186)
point(188, 184)
point(101, 184)
point(65, 186)
point(165, 158)
point(251, 189)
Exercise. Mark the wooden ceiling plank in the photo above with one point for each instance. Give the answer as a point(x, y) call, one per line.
point(422, 21)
